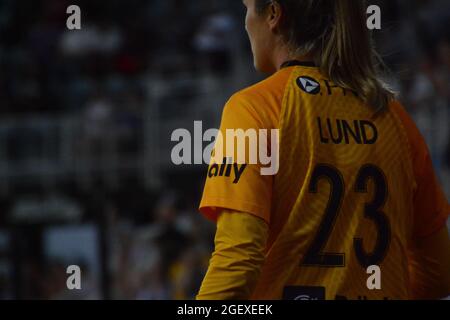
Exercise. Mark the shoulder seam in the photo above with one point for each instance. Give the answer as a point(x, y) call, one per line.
point(288, 82)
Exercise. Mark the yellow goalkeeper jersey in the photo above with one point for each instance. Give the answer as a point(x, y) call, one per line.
point(352, 191)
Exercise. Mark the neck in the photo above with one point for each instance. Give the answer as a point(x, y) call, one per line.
point(282, 55)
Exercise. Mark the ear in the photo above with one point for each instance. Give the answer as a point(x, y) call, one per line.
point(274, 12)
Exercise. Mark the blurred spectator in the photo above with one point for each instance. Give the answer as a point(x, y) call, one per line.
point(102, 38)
point(98, 137)
point(152, 285)
point(213, 42)
point(129, 124)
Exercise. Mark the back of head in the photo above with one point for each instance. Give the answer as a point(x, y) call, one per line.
point(335, 33)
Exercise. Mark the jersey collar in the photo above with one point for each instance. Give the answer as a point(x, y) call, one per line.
point(292, 63)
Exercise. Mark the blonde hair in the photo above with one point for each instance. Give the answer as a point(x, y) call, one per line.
point(336, 34)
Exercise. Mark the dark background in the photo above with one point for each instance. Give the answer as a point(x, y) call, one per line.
point(86, 118)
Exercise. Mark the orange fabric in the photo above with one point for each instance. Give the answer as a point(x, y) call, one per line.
point(236, 263)
point(431, 208)
point(257, 108)
point(430, 265)
point(352, 188)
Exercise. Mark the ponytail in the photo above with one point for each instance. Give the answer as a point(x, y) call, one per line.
point(336, 34)
point(347, 56)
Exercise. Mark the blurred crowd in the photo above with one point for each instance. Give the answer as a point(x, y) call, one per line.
point(415, 44)
point(152, 243)
point(48, 68)
point(150, 246)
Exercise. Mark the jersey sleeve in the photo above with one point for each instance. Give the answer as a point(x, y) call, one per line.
point(235, 185)
point(236, 263)
point(431, 208)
